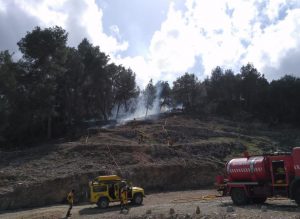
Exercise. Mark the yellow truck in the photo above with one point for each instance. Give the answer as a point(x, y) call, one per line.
point(106, 189)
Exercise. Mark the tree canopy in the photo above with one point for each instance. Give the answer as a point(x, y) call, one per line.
point(149, 96)
point(55, 88)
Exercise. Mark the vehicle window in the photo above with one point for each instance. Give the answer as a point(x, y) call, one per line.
point(100, 189)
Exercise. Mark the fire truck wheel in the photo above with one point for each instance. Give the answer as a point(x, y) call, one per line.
point(239, 196)
point(259, 200)
point(297, 195)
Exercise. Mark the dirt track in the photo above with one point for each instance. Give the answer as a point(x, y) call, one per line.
point(182, 202)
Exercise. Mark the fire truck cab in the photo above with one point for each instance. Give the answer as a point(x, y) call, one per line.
point(255, 178)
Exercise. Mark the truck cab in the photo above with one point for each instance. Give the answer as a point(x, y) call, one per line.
point(106, 189)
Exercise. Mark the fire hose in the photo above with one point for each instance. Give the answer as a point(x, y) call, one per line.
point(211, 197)
point(201, 198)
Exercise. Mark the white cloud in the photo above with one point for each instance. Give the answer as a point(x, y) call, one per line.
point(230, 40)
point(92, 20)
point(2, 7)
point(271, 45)
point(144, 69)
point(84, 15)
point(273, 7)
point(276, 44)
point(169, 50)
point(198, 32)
point(227, 33)
point(115, 30)
point(47, 11)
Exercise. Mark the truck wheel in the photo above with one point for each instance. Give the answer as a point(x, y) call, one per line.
point(297, 195)
point(239, 196)
point(137, 199)
point(259, 200)
point(103, 203)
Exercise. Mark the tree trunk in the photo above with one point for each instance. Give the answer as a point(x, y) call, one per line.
point(125, 105)
point(146, 111)
point(49, 127)
point(118, 111)
point(103, 112)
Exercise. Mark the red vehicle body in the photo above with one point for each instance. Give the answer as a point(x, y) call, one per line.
point(255, 178)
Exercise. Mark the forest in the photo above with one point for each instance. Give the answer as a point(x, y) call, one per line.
point(53, 88)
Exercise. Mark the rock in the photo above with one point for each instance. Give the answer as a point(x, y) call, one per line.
point(188, 216)
point(229, 209)
point(172, 211)
point(206, 217)
point(198, 210)
point(87, 167)
point(148, 211)
point(264, 208)
point(161, 216)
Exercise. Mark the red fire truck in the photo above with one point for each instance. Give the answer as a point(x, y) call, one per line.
point(255, 178)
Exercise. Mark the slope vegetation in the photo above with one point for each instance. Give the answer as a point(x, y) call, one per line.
point(173, 152)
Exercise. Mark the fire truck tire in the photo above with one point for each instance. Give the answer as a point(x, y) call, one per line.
point(238, 196)
point(297, 195)
point(103, 203)
point(259, 200)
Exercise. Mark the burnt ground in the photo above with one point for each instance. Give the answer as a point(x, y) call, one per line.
point(173, 152)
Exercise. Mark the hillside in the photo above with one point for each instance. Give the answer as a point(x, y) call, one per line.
point(173, 152)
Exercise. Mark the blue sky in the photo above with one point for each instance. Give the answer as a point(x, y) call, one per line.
point(162, 39)
point(136, 21)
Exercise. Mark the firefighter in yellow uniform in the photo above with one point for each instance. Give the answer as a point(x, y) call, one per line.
point(124, 196)
point(70, 199)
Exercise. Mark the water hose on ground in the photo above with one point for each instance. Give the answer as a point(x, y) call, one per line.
point(210, 197)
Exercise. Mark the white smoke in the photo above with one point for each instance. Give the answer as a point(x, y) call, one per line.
point(137, 109)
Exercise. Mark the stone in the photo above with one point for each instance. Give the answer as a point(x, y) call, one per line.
point(161, 216)
point(264, 208)
point(172, 211)
point(198, 210)
point(188, 216)
point(148, 211)
point(229, 209)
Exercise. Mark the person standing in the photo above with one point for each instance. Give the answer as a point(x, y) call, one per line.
point(124, 197)
point(70, 199)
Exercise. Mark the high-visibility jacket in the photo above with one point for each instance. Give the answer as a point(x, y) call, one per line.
point(124, 197)
point(70, 197)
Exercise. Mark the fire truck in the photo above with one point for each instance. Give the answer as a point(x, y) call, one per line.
point(255, 178)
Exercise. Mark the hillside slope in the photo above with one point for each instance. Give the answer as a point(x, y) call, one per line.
point(170, 153)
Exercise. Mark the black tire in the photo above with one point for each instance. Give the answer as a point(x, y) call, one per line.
point(239, 196)
point(137, 199)
point(297, 195)
point(259, 200)
point(103, 203)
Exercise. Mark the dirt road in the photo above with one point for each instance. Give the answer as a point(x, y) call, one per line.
point(159, 204)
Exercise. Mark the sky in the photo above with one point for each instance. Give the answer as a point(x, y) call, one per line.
point(163, 39)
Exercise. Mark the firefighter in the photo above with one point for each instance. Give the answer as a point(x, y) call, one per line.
point(70, 199)
point(141, 138)
point(124, 196)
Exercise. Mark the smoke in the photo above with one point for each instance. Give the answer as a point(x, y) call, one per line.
point(137, 108)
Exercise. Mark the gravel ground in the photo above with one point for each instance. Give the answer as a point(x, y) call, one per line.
point(158, 206)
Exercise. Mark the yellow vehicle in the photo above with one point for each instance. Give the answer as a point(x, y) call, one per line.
point(106, 189)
